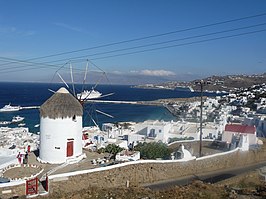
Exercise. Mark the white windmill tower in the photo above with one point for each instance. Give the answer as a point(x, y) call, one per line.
point(61, 123)
point(60, 128)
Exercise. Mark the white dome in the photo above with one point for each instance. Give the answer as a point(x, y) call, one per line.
point(185, 154)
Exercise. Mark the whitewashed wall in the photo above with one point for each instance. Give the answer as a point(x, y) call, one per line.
point(54, 133)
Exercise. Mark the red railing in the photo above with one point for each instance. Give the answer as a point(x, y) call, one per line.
point(32, 186)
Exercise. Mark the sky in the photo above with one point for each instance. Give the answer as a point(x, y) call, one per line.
point(131, 42)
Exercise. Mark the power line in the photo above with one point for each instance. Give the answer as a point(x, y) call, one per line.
point(28, 63)
point(165, 47)
point(42, 66)
point(177, 45)
point(12, 60)
point(156, 35)
point(158, 43)
point(46, 64)
point(148, 37)
point(169, 46)
point(129, 48)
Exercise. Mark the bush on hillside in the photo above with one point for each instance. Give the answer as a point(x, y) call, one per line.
point(113, 149)
point(153, 150)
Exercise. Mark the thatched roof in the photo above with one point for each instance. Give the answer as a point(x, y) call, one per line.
point(61, 105)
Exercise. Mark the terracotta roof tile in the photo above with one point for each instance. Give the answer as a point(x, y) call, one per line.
point(240, 128)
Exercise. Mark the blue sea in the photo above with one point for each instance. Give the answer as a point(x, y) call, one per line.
point(35, 94)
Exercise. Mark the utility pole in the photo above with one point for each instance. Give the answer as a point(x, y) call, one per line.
point(201, 105)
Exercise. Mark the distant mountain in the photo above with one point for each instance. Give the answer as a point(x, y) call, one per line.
point(229, 82)
point(214, 83)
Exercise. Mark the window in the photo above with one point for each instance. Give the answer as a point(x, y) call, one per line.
point(74, 118)
point(152, 133)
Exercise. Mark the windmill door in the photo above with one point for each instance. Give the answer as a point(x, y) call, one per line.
point(70, 148)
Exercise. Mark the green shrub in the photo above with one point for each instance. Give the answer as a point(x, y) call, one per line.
point(153, 150)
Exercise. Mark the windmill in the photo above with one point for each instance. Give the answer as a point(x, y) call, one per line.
point(87, 97)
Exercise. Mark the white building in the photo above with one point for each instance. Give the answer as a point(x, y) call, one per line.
point(157, 130)
point(134, 138)
point(19, 139)
point(233, 133)
point(259, 122)
point(126, 155)
point(210, 131)
point(60, 128)
point(182, 153)
point(93, 137)
point(192, 131)
point(112, 130)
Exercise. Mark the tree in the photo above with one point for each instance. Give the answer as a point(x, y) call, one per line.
point(113, 149)
point(153, 150)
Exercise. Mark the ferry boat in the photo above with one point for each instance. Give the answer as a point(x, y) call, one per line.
point(17, 119)
point(9, 108)
point(89, 94)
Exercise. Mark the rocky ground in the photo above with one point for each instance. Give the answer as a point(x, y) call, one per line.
point(197, 189)
point(21, 172)
point(245, 186)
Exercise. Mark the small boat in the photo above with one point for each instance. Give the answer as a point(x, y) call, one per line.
point(21, 124)
point(9, 108)
point(17, 119)
point(89, 94)
point(37, 125)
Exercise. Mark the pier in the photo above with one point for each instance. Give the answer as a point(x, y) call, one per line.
point(111, 102)
point(29, 107)
point(151, 103)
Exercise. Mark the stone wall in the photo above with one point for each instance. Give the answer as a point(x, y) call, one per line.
point(138, 174)
point(148, 172)
point(12, 191)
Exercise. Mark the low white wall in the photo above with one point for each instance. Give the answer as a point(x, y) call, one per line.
point(136, 162)
point(180, 141)
point(116, 166)
point(14, 183)
point(218, 154)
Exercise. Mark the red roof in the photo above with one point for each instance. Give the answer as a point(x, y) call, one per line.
point(240, 128)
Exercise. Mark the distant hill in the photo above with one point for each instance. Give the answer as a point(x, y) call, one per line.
point(214, 83)
point(229, 82)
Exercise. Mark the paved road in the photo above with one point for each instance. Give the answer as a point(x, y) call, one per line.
point(211, 177)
